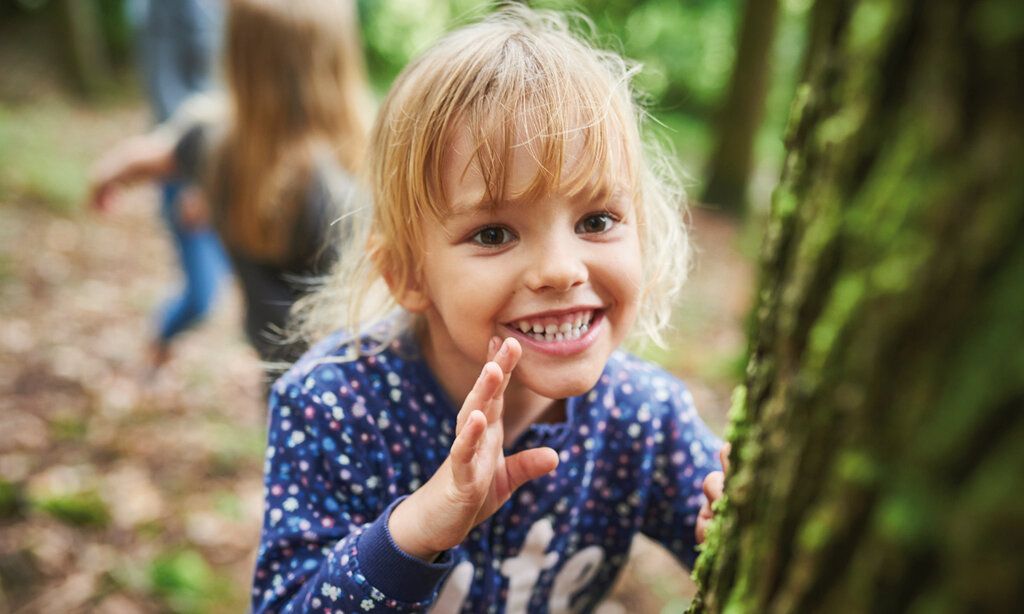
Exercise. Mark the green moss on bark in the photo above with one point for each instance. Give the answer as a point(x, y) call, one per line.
point(879, 438)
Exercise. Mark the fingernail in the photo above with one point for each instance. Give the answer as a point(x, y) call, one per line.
point(490, 345)
point(504, 349)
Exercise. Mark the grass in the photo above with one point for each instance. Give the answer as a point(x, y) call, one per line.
point(80, 509)
point(35, 165)
point(186, 582)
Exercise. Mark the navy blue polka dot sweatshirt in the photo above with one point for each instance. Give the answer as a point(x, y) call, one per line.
point(349, 440)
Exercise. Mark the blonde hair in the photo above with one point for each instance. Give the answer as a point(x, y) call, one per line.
point(516, 69)
point(299, 98)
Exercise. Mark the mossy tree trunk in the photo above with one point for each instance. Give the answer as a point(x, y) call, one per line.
point(739, 116)
point(879, 439)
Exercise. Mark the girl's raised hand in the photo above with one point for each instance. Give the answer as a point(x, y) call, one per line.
point(477, 478)
point(507, 473)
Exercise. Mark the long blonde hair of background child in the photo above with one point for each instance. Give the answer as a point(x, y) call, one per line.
point(298, 89)
point(522, 68)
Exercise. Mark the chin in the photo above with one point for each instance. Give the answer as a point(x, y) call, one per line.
point(561, 383)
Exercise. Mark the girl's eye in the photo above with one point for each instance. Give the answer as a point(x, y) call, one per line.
point(493, 236)
point(595, 224)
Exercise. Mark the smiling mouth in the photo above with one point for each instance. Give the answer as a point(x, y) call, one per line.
point(552, 329)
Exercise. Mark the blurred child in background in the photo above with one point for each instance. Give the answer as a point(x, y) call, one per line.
point(276, 160)
point(178, 43)
point(489, 447)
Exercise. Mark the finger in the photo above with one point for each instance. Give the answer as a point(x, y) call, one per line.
point(486, 384)
point(492, 347)
point(508, 355)
point(507, 358)
point(529, 465)
point(705, 511)
point(701, 530)
point(713, 484)
point(465, 447)
point(723, 456)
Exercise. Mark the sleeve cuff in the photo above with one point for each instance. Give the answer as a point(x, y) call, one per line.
point(394, 572)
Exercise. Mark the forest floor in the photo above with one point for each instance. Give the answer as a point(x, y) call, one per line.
point(123, 492)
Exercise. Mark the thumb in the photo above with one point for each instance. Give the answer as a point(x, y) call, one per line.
point(529, 465)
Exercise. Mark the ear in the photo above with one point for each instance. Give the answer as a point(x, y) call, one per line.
point(409, 293)
point(412, 300)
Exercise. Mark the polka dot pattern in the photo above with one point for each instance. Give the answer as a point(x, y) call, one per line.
point(348, 439)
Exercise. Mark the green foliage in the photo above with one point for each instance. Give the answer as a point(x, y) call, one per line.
point(117, 32)
point(395, 32)
point(35, 166)
point(689, 137)
point(11, 497)
point(83, 509)
point(185, 581)
point(686, 50)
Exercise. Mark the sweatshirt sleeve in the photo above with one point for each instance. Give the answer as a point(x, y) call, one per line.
point(688, 452)
point(325, 545)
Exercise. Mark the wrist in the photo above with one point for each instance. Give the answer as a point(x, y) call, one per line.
point(395, 572)
point(408, 535)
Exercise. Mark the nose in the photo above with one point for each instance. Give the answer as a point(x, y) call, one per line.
point(556, 266)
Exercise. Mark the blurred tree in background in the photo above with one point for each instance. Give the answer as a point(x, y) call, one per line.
point(739, 114)
point(94, 36)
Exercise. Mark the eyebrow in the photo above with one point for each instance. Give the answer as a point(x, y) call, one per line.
point(472, 207)
point(601, 193)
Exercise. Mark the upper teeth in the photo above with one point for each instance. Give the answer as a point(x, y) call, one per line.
point(557, 329)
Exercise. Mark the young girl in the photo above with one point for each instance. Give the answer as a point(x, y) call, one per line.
point(519, 226)
point(275, 165)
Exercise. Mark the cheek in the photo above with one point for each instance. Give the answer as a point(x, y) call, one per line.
point(623, 271)
point(464, 292)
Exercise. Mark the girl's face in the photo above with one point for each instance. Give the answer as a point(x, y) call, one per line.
point(561, 274)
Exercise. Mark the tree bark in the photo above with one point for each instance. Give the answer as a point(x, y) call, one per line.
point(740, 116)
point(879, 437)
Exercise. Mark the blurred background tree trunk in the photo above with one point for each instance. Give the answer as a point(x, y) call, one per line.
point(740, 114)
point(879, 439)
point(86, 47)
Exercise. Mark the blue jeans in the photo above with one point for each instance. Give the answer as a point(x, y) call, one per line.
point(203, 264)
